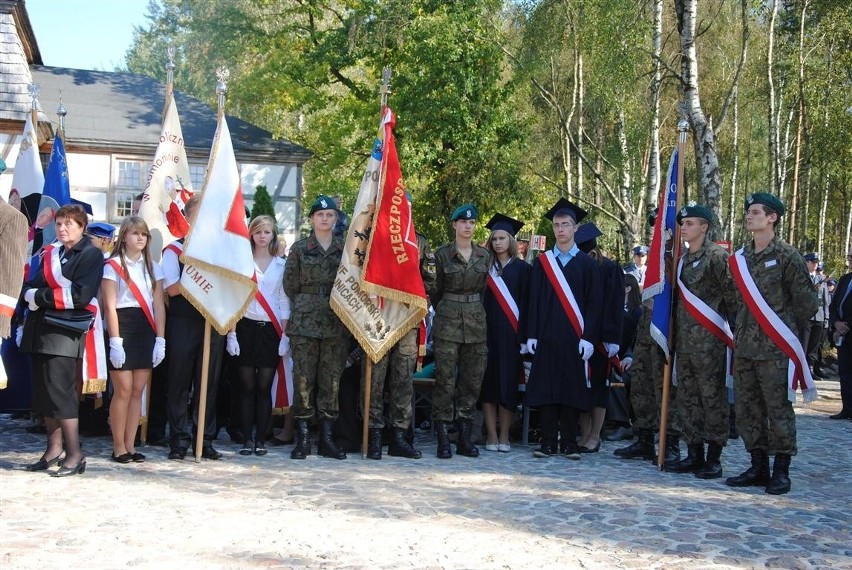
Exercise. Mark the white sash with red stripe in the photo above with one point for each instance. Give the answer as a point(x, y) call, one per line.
point(504, 298)
point(798, 372)
point(144, 303)
point(94, 350)
point(282, 383)
point(566, 299)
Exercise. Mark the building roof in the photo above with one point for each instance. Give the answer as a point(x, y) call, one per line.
point(121, 112)
point(18, 49)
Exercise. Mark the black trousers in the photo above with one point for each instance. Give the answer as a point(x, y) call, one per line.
point(185, 337)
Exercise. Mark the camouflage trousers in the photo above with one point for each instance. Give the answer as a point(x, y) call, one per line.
point(396, 368)
point(317, 366)
point(765, 417)
point(702, 397)
point(646, 390)
point(462, 361)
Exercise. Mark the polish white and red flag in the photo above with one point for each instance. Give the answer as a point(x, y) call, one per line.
point(218, 273)
point(168, 186)
point(28, 176)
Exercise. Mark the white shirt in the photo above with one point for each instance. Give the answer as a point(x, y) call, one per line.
point(171, 267)
point(271, 285)
point(136, 271)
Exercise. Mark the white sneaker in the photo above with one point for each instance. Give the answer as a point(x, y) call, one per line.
point(492, 447)
point(504, 447)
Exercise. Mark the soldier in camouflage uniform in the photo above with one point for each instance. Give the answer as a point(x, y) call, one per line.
point(765, 417)
point(318, 339)
point(701, 357)
point(401, 359)
point(458, 331)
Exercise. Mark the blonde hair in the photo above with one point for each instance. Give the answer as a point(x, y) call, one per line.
point(513, 246)
point(258, 223)
point(129, 224)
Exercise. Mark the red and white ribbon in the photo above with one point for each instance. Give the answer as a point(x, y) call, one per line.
point(498, 288)
point(282, 383)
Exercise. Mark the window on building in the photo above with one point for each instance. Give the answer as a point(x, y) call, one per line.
point(129, 174)
point(124, 203)
point(196, 176)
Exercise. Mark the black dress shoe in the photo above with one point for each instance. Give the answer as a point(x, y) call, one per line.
point(275, 442)
point(584, 449)
point(138, 457)
point(123, 458)
point(177, 453)
point(843, 415)
point(209, 452)
point(260, 449)
point(43, 464)
point(80, 468)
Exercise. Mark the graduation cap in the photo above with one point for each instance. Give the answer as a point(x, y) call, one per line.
point(505, 223)
point(586, 237)
point(565, 208)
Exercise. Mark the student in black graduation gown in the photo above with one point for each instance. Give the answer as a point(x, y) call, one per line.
point(559, 384)
point(504, 300)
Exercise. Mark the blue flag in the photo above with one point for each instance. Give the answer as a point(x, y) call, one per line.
point(56, 193)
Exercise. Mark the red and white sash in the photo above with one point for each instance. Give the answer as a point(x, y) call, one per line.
point(504, 298)
point(94, 350)
point(144, 303)
point(566, 299)
point(798, 372)
point(282, 383)
point(715, 323)
point(175, 247)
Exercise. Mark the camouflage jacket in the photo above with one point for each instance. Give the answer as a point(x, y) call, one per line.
point(308, 280)
point(459, 315)
point(783, 280)
point(427, 263)
point(707, 275)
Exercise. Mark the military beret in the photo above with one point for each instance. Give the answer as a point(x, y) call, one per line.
point(586, 236)
point(465, 212)
point(811, 257)
point(695, 211)
point(101, 230)
point(564, 207)
point(641, 250)
point(322, 202)
point(766, 199)
point(505, 223)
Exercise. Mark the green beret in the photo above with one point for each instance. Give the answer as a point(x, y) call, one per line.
point(695, 211)
point(765, 199)
point(322, 202)
point(465, 212)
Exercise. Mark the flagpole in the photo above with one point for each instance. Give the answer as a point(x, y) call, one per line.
point(221, 90)
point(34, 89)
point(368, 371)
point(170, 77)
point(682, 128)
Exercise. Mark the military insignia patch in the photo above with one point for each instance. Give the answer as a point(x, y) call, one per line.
point(468, 214)
point(750, 199)
point(324, 203)
point(684, 212)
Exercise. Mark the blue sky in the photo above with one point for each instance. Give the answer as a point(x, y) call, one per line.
point(85, 34)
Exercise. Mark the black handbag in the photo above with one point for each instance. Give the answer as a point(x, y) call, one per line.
point(73, 320)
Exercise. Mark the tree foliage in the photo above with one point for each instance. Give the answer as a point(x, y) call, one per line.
point(262, 203)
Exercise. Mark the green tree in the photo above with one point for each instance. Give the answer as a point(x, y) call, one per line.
point(262, 205)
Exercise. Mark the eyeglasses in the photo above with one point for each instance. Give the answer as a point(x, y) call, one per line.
point(563, 225)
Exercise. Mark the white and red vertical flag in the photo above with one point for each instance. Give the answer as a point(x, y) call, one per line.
point(218, 273)
point(168, 186)
point(378, 292)
point(28, 177)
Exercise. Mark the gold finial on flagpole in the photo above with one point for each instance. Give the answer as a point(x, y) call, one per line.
point(386, 77)
point(222, 75)
point(61, 112)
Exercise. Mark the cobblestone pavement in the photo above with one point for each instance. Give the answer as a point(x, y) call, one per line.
point(498, 511)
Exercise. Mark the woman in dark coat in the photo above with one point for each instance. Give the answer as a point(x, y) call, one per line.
point(67, 280)
point(506, 295)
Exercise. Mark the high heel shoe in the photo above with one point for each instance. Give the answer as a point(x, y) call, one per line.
point(595, 449)
point(43, 464)
point(80, 468)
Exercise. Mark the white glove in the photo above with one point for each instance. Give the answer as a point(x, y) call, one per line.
point(585, 349)
point(284, 346)
point(159, 351)
point(532, 344)
point(231, 344)
point(524, 349)
point(611, 349)
point(116, 351)
point(29, 297)
point(19, 335)
point(626, 363)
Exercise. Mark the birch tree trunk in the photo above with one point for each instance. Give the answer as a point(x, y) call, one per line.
point(823, 211)
point(732, 203)
point(580, 124)
point(773, 119)
point(653, 186)
point(624, 186)
point(794, 203)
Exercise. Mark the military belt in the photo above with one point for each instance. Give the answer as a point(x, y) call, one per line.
point(316, 290)
point(473, 298)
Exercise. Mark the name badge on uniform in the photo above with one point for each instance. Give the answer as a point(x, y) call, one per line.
point(771, 263)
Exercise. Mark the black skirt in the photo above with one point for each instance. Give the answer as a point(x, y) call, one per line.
point(138, 337)
point(55, 386)
point(258, 344)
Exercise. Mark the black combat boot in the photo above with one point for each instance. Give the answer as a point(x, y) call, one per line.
point(444, 451)
point(693, 462)
point(374, 443)
point(326, 445)
point(464, 446)
point(400, 447)
point(303, 441)
point(779, 484)
point(642, 448)
point(712, 466)
point(755, 476)
point(671, 456)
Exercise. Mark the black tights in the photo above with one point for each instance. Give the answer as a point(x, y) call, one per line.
point(59, 432)
point(255, 400)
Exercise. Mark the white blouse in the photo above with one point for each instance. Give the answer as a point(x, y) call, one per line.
point(271, 284)
point(136, 271)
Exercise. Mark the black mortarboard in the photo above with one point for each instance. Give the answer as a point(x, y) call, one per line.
point(586, 237)
point(505, 223)
point(565, 208)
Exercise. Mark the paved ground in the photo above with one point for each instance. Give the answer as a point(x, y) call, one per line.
point(498, 511)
